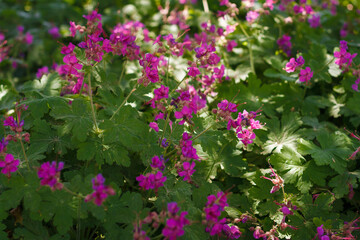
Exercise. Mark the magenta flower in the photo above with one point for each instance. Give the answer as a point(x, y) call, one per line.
point(291, 65)
point(54, 32)
point(232, 232)
point(72, 64)
point(314, 21)
point(14, 125)
point(50, 174)
point(106, 46)
point(160, 93)
point(355, 86)
point(154, 126)
point(3, 144)
point(158, 162)
point(230, 45)
point(101, 191)
point(188, 170)
point(251, 16)
point(175, 224)
point(185, 114)
point(42, 71)
point(213, 59)
point(9, 165)
point(246, 136)
point(68, 49)
point(72, 29)
point(188, 152)
point(151, 181)
point(213, 208)
point(28, 38)
point(193, 71)
point(219, 72)
point(285, 44)
point(305, 75)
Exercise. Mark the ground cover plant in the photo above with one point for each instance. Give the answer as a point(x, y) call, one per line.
point(180, 119)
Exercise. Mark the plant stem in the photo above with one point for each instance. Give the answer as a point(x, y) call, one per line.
point(92, 104)
point(206, 6)
point(165, 127)
point(205, 130)
point(167, 70)
point(26, 159)
point(327, 64)
point(249, 47)
point(122, 71)
point(78, 225)
point(71, 192)
point(122, 104)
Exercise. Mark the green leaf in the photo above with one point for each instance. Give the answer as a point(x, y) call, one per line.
point(49, 85)
point(333, 150)
point(291, 168)
point(284, 135)
point(77, 116)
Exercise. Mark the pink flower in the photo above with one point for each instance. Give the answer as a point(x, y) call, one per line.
point(188, 170)
point(54, 32)
point(193, 71)
point(285, 44)
point(175, 224)
point(72, 64)
point(158, 162)
point(72, 29)
point(68, 49)
point(314, 20)
point(28, 38)
point(251, 16)
point(160, 93)
point(213, 59)
point(151, 181)
point(291, 65)
point(154, 126)
point(185, 114)
point(101, 192)
point(230, 45)
point(42, 71)
point(50, 174)
point(305, 75)
point(9, 165)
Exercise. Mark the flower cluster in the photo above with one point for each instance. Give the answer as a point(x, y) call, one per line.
point(259, 233)
point(286, 209)
point(244, 124)
point(101, 192)
point(189, 102)
point(150, 70)
point(151, 180)
point(215, 226)
point(4, 49)
point(343, 57)
point(175, 223)
point(305, 75)
point(16, 126)
point(187, 153)
point(49, 174)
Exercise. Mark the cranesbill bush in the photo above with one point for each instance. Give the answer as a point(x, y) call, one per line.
point(204, 120)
